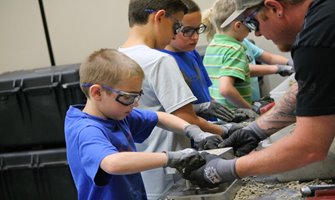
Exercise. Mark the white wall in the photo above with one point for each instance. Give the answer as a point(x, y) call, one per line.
point(76, 28)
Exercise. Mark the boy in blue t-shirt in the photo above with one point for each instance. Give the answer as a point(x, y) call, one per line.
point(100, 135)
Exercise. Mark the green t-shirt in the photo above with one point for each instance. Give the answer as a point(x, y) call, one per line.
point(225, 56)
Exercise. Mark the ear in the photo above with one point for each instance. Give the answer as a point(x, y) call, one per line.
point(159, 14)
point(95, 92)
point(274, 6)
point(237, 25)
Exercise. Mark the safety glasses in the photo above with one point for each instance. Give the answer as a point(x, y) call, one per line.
point(177, 25)
point(124, 98)
point(250, 22)
point(188, 31)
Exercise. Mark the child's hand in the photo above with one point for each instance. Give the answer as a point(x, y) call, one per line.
point(202, 140)
point(217, 110)
point(185, 160)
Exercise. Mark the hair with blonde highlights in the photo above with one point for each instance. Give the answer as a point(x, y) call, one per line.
point(107, 67)
point(216, 15)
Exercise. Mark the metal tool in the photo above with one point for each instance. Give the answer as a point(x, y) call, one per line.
point(309, 190)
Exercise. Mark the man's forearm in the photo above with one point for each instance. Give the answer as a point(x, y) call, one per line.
point(282, 114)
point(309, 142)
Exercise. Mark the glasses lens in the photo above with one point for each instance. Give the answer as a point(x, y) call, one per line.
point(176, 27)
point(188, 31)
point(127, 99)
point(252, 24)
point(202, 28)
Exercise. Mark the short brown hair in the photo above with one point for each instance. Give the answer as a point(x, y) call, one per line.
point(107, 67)
point(138, 9)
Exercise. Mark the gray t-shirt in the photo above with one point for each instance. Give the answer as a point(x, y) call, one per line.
point(164, 90)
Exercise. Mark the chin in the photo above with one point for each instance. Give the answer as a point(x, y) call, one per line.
point(284, 47)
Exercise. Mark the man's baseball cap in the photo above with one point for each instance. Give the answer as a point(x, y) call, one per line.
point(240, 7)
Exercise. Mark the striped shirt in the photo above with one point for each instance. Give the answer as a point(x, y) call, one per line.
point(225, 56)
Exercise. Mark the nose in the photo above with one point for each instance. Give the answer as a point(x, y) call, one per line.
point(195, 36)
point(258, 34)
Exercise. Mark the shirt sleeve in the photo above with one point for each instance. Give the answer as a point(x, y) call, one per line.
point(141, 123)
point(169, 85)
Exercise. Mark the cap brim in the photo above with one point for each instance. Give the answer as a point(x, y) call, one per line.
point(232, 17)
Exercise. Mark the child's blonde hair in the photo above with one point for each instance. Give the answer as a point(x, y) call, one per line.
point(216, 15)
point(107, 67)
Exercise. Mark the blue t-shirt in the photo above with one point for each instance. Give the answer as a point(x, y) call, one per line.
point(253, 52)
point(89, 139)
point(195, 74)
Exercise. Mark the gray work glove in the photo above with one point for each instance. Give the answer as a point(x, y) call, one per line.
point(215, 109)
point(213, 173)
point(285, 70)
point(244, 114)
point(244, 140)
point(290, 62)
point(230, 128)
point(185, 160)
point(202, 140)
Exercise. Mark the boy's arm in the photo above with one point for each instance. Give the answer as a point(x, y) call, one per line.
point(272, 59)
point(203, 140)
point(122, 163)
point(228, 90)
point(172, 123)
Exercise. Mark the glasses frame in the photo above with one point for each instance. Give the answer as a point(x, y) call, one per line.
point(191, 30)
point(250, 22)
point(135, 96)
point(177, 25)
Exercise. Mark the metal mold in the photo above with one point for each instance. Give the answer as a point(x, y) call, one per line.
point(226, 191)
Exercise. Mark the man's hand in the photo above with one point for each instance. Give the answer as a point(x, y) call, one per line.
point(244, 114)
point(202, 140)
point(285, 70)
point(244, 140)
point(217, 110)
point(259, 105)
point(230, 128)
point(213, 173)
point(185, 160)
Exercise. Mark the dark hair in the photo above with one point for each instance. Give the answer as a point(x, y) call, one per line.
point(138, 9)
point(191, 6)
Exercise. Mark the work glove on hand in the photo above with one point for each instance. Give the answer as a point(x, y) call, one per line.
point(259, 105)
point(230, 128)
point(244, 140)
point(244, 114)
point(213, 173)
point(185, 160)
point(285, 70)
point(202, 140)
point(215, 109)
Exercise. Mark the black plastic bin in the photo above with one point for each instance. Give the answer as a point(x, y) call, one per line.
point(33, 104)
point(36, 175)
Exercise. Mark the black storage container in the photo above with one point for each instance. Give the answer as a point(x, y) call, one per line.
point(33, 104)
point(37, 175)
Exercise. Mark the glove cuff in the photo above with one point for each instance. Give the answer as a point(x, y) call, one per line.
point(189, 129)
point(226, 169)
point(257, 130)
point(168, 158)
point(290, 62)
